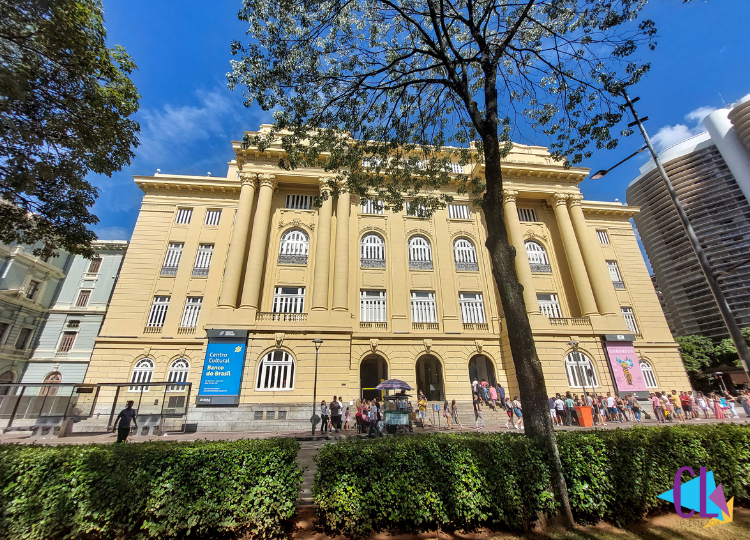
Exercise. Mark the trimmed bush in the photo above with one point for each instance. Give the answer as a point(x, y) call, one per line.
point(501, 480)
point(148, 490)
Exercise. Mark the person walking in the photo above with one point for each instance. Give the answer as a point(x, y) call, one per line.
point(447, 414)
point(323, 417)
point(658, 409)
point(500, 393)
point(731, 401)
point(674, 399)
point(422, 407)
point(478, 418)
point(454, 413)
point(517, 410)
point(509, 411)
point(122, 423)
point(493, 397)
point(372, 416)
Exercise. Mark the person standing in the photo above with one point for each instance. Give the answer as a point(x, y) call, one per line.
point(674, 400)
point(635, 407)
point(518, 412)
point(454, 412)
point(500, 393)
point(552, 411)
point(478, 418)
point(422, 406)
point(447, 414)
point(686, 406)
point(693, 404)
point(559, 409)
point(745, 400)
point(703, 404)
point(611, 408)
point(335, 414)
point(493, 397)
point(731, 401)
point(122, 423)
point(571, 409)
point(509, 411)
point(346, 419)
point(323, 417)
point(372, 416)
point(718, 411)
point(656, 404)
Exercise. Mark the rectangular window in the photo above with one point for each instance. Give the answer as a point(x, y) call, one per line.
point(527, 214)
point(372, 306)
point(454, 168)
point(299, 202)
point(289, 300)
point(158, 312)
point(372, 207)
point(95, 265)
point(33, 289)
point(172, 259)
point(83, 298)
point(3, 329)
point(66, 342)
point(203, 259)
point(371, 161)
point(603, 237)
point(24, 336)
point(74, 324)
point(212, 217)
point(549, 305)
point(472, 308)
point(459, 211)
point(423, 307)
point(614, 273)
point(183, 216)
point(416, 210)
point(627, 314)
point(191, 312)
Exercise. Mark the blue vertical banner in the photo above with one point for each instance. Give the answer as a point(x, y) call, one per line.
point(222, 369)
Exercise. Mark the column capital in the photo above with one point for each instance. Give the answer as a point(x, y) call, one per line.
point(557, 199)
point(267, 179)
point(249, 178)
point(575, 200)
point(509, 195)
point(325, 183)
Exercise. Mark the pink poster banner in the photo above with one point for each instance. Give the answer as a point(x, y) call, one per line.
point(625, 366)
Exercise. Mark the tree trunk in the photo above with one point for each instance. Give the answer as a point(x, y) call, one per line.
point(533, 390)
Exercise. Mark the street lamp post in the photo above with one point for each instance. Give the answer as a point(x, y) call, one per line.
point(318, 342)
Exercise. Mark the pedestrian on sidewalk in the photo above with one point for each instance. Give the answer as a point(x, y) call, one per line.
point(509, 411)
point(478, 418)
point(718, 411)
point(335, 414)
point(570, 404)
point(372, 416)
point(454, 413)
point(126, 416)
point(674, 400)
point(552, 410)
point(493, 397)
point(447, 414)
point(745, 400)
point(517, 411)
point(611, 408)
point(658, 409)
point(687, 408)
point(346, 419)
point(731, 401)
point(559, 410)
point(703, 404)
point(635, 407)
point(422, 406)
point(500, 394)
point(323, 417)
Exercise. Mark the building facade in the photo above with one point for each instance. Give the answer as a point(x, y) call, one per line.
point(66, 342)
point(390, 294)
point(711, 174)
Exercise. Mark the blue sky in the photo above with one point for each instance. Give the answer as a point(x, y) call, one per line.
point(188, 116)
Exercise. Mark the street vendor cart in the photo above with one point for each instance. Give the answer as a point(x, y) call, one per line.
point(396, 406)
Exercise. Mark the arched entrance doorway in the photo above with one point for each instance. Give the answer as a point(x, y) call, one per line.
point(430, 378)
point(372, 371)
point(481, 368)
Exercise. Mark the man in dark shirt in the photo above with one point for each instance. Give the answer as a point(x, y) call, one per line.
point(123, 419)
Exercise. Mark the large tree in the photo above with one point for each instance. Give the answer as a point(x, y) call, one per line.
point(65, 105)
point(397, 83)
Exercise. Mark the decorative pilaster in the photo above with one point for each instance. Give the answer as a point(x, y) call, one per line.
point(256, 255)
point(322, 251)
point(341, 258)
point(523, 269)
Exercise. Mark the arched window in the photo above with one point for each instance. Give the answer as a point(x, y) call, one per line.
point(276, 371)
point(50, 391)
point(420, 253)
point(648, 374)
point(465, 255)
point(6, 377)
point(537, 257)
point(580, 371)
point(294, 247)
point(178, 373)
point(372, 251)
point(142, 373)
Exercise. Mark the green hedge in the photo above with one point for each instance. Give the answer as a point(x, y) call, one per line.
point(500, 480)
point(148, 490)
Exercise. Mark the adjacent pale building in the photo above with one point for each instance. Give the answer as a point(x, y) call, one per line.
point(227, 281)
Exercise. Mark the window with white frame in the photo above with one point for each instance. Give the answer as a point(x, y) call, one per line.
point(299, 202)
point(172, 259)
point(371, 161)
point(603, 237)
point(66, 341)
point(372, 251)
point(627, 314)
point(191, 312)
point(454, 168)
point(465, 255)
point(142, 373)
point(648, 374)
point(416, 210)
point(549, 305)
point(372, 207)
point(472, 308)
point(614, 273)
point(580, 371)
point(276, 371)
point(420, 253)
point(459, 211)
point(372, 306)
point(158, 312)
point(212, 218)
point(203, 259)
point(527, 214)
point(537, 256)
point(183, 216)
point(83, 298)
point(289, 300)
point(423, 307)
point(294, 247)
point(178, 373)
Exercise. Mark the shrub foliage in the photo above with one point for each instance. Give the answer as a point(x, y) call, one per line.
point(148, 490)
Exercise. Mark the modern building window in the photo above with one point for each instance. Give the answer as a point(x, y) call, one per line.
point(142, 373)
point(172, 259)
point(472, 308)
point(459, 211)
point(580, 371)
point(66, 341)
point(420, 253)
point(629, 317)
point(276, 371)
point(549, 305)
point(372, 307)
point(95, 265)
point(537, 256)
point(178, 373)
point(465, 255)
point(294, 247)
point(372, 207)
point(527, 214)
point(183, 216)
point(603, 237)
point(212, 218)
point(24, 336)
point(416, 210)
point(299, 202)
point(83, 298)
point(203, 260)
point(158, 312)
point(372, 251)
point(423, 307)
point(289, 300)
point(32, 289)
point(614, 273)
point(53, 378)
point(191, 312)
point(648, 374)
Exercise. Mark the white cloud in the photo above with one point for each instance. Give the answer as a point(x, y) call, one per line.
point(671, 135)
point(697, 115)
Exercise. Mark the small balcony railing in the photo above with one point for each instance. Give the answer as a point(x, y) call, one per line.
point(372, 263)
point(200, 272)
point(420, 265)
point(424, 326)
point(373, 325)
point(168, 270)
point(293, 259)
point(476, 327)
point(186, 330)
point(286, 317)
point(467, 267)
point(153, 329)
point(618, 284)
point(570, 321)
point(541, 268)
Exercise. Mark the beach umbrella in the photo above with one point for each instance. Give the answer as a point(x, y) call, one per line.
point(393, 384)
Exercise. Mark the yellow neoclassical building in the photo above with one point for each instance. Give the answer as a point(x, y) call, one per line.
point(227, 281)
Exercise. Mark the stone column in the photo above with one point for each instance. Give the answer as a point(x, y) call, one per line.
point(341, 258)
point(256, 255)
point(236, 255)
point(575, 262)
point(593, 258)
point(322, 251)
point(523, 269)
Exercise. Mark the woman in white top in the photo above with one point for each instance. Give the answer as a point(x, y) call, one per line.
point(703, 405)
